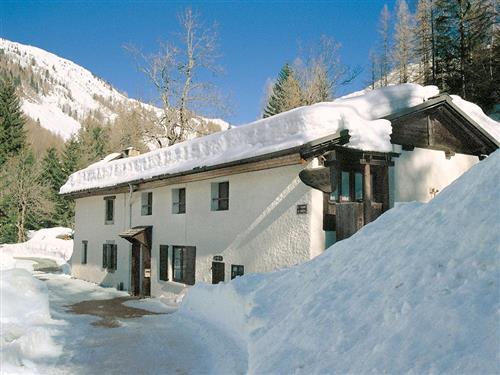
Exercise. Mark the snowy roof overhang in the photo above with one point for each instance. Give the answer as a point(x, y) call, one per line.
point(302, 152)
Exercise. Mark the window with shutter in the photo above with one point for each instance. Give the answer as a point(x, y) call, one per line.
point(163, 271)
point(220, 196)
point(237, 270)
point(146, 203)
point(109, 208)
point(179, 201)
point(184, 264)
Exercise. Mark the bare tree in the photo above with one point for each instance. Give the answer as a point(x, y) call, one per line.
point(321, 71)
point(402, 41)
point(25, 194)
point(174, 71)
point(385, 45)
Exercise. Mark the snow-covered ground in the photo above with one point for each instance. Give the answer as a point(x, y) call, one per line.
point(415, 291)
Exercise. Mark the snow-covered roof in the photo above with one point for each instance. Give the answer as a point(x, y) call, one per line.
point(361, 114)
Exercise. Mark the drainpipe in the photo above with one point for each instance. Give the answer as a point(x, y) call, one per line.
point(130, 192)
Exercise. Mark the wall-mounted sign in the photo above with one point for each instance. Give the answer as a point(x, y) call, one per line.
point(218, 258)
point(301, 209)
point(147, 272)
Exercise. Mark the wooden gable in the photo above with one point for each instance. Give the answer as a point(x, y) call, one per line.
point(439, 124)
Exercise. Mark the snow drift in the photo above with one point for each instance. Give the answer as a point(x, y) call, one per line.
point(415, 291)
point(25, 318)
point(44, 243)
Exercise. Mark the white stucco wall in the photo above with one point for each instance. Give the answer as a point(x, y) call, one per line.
point(90, 226)
point(261, 230)
point(416, 172)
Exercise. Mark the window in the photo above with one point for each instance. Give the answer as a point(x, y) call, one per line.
point(351, 187)
point(179, 201)
point(163, 272)
point(237, 270)
point(109, 214)
point(220, 196)
point(183, 264)
point(84, 252)
point(109, 256)
point(146, 204)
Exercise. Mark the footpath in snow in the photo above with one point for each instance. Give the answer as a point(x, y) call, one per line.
point(415, 291)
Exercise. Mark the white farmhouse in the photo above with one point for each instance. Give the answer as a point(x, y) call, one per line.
point(270, 194)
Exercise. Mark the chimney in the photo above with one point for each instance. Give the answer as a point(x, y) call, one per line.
point(130, 151)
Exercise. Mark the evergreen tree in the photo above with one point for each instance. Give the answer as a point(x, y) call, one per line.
point(12, 134)
point(93, 140)
point(53, 175)
point(402, 41)
point(70, 163)
point(286, 93)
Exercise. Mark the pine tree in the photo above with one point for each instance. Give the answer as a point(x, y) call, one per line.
point(12, 134)
point(402, 41)
point(464, 46)
point(286, 93)
point(70, 163)
point(53, 175)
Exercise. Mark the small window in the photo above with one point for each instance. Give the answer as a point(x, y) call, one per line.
point(184, 264)
point(109, 256)
point(344, 188)
point(84, 252)
point(109, 210)
point(237, 270)
point(358, 186)
point(163, 271)
point(220, 196)
point(179, 201)
point(146, 204)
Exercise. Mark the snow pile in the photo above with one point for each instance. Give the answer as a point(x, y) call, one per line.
point(415, 291)
point(360, 115)
point(24, 316)
point(44, 243)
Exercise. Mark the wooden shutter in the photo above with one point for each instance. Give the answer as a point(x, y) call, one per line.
point(189, 265)
point(144, 203)
point(182, 200)
point(163, 263)
point(104, 256)
point(114, 263)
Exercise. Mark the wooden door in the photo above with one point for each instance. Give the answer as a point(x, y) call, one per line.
point(349, 219)
point(146, 275)
point(217, 272)
point(135, 269)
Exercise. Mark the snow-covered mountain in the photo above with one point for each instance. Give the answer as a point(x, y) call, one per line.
point(59, 93)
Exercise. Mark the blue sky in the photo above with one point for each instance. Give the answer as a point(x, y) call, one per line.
point(256, 38)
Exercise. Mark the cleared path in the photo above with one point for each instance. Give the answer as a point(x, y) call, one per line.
point(137, 343)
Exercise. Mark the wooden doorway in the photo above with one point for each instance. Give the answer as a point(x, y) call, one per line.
point(218, 272)
point(135, 269)
point(140, 260)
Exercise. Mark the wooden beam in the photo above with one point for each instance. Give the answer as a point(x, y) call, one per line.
point(367, 192)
